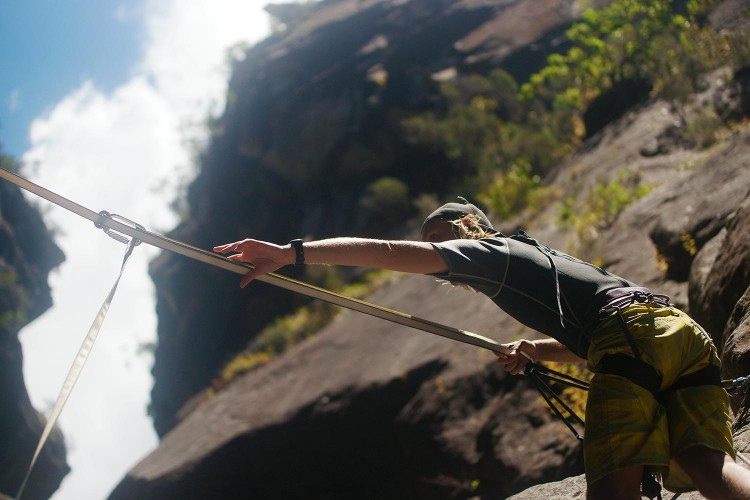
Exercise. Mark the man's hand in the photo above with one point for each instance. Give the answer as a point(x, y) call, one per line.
point(525, 351)
point(265, 257)
point(522, 352)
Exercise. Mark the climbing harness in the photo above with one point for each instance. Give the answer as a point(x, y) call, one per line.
point(620, 298)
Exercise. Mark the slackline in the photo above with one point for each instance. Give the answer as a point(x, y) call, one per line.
point(117, 226)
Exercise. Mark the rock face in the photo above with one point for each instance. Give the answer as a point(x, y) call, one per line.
point(366, 409)
point(313, 119)
point(27, 254)
point(729, 298)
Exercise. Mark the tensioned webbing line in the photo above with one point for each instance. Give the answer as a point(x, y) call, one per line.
point(117, 224)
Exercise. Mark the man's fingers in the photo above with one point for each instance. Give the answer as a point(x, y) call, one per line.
point(224, 248)
point(512, 368)
point(228, 247)
point(258, 254)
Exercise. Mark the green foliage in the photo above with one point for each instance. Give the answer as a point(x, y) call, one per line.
point(505, 138)
point(637, 41)
point(485, 129)
point(387, 203)
point(242, 364)
point(703, 49)
point(509, 193)
point(470, 134)
point(612, 44)
point(575, 398)
point(291, 329)
point(600, 208)
point(425, 204)
point(386, 194)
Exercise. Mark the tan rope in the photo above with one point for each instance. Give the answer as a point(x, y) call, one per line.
point(111, 222)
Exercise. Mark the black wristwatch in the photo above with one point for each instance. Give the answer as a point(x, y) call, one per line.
point(299, 251)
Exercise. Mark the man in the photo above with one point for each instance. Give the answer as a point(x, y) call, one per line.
point(655, 399)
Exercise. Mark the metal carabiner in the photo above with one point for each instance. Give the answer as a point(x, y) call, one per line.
point(112, 233)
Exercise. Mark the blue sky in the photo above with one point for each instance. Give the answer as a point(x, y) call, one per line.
point(48, 48)
point(98, 101)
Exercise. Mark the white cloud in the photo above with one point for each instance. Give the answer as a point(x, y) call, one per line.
point(118, 144)
point(109, 152)
point(187, 46)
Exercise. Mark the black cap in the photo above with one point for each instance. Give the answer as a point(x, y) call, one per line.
point(453, 211)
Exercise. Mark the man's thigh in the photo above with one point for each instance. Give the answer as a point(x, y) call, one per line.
point(621, 484)
point(625, 427)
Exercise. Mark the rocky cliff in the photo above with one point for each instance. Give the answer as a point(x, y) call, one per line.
point(27, 255)
point(364, 409)
point(313, 120)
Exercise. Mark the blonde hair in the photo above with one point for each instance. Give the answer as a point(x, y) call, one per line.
point(469, 227)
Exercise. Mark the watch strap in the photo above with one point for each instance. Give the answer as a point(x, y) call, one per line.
point(299, 252)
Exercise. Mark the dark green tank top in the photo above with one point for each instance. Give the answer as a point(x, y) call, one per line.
point(544, 289)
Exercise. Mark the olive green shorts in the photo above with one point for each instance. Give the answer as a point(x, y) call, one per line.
point(625, 424)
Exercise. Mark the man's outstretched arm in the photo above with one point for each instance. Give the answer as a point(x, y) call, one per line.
point(404, 256)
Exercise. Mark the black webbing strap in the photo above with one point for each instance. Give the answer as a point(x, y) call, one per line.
point(641, 373)
point(708, 375)
point(637, 371)
point(539, 375)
